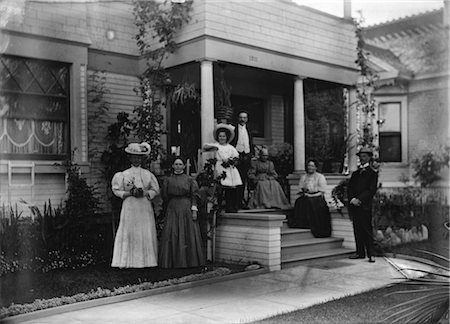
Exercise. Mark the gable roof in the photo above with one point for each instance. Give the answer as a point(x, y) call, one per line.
point(415, 44)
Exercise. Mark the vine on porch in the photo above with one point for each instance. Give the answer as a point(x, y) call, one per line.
point(365, 104)
point(158, 22)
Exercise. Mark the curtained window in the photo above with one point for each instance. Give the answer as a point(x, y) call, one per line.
point(34, 108)
point(390, 133)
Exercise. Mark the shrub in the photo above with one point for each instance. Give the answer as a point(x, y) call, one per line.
point(428, 166)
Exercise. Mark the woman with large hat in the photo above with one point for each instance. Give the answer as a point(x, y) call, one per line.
point(135, 245)
point(227, 158)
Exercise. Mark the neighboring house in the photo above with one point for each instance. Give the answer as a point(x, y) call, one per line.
point(276, 55)
point(411, 57)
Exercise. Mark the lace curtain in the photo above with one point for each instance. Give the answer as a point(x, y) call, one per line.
point(34, 107)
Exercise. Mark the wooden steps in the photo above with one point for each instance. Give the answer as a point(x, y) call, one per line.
point(299, 245)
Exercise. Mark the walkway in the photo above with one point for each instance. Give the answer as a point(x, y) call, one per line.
point(246, 299)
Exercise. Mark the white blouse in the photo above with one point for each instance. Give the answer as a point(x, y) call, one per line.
point(315, 182)
point(122, 182)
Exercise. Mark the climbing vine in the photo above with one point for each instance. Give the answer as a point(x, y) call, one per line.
point(158, 24)
point(365, 105)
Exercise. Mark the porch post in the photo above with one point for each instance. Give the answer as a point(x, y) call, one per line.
point(207, 101)
point(299, 126)
point(352, 131)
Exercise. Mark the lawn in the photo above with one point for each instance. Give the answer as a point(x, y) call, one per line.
point(25, 286)
point(369, 307)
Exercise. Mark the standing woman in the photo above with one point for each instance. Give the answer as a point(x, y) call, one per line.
point(227, 157)
point(135, 245)
point(181, 242)
point(311, 209)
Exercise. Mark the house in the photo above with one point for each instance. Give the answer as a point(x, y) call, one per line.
point(276, 56)
point(411, 58)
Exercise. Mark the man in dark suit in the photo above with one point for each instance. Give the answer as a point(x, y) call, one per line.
point(243, 142)
point(361, 189)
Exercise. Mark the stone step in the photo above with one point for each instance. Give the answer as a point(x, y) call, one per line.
point(267, 211)
point(337, 253)
point(304, 247)
point(295, 234)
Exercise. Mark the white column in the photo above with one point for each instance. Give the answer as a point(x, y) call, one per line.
point(207, 101)
point(352, 131)
point(299, 126)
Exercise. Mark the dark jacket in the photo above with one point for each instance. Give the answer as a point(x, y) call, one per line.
point(250, 138)
point(363, 186)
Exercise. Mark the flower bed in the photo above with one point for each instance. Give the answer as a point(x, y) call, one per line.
point(39, 304)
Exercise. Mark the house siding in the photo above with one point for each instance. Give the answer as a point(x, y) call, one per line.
point(119, 97)
point(282, 27)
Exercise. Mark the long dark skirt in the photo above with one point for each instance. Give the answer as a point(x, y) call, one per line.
point(313, 213)
point(181, 242)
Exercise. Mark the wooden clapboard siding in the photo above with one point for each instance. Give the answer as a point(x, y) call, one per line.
point(120, 97)
point(46, 186)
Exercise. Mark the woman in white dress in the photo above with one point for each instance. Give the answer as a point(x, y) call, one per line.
point(227, 157)
point(135, 245)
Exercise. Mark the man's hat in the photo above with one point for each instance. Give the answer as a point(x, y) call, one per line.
point(366, 150)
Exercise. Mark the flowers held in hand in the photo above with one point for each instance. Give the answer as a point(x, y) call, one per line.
point(137, 192)
point(230, 162)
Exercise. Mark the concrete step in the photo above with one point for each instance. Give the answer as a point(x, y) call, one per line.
point(295, 234)
point(268, 211)
point(331, 254)
point(304, 247)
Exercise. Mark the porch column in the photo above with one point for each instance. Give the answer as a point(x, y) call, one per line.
point(352, 131)
point(299, 125)
point(207, 101)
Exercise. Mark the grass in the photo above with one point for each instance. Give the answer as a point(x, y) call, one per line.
point(25, 287)
point(369, 307)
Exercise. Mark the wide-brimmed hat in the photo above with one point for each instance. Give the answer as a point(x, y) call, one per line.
point(228, 128)
point(138, 149)
point(366, 150)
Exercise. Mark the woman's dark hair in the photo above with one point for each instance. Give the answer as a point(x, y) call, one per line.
point(174, 158)
point(242, 112)
point(316, 163)
point(226, 131)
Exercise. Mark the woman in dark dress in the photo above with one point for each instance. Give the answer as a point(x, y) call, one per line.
point(311, 209)
point(181, 243)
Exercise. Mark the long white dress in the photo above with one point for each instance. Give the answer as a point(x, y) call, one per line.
point(136, 244)
point(223, 154)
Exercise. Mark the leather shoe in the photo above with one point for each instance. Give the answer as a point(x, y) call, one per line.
point(356, 256)
point(371, 259)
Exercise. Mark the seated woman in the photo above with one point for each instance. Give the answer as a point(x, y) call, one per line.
point(311, 209)
point(268, 192)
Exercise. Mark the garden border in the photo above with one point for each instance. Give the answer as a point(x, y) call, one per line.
point(125, 297)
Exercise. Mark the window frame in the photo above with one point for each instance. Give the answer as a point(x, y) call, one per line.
point(67, 121)
point(402, 99)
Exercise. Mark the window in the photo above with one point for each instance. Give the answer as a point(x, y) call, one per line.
point(390, 131)
point(256, 112)
point(34, 108)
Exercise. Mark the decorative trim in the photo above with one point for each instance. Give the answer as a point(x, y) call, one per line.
point(83, 113)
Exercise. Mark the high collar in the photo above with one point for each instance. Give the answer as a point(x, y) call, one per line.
point(364, 166)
